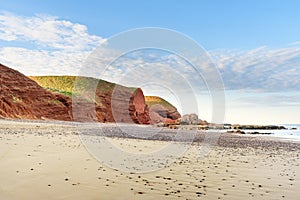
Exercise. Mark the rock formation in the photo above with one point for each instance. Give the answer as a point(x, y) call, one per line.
point(189, 119)
point(21, 97)
point(128, 105)
point(161, 111)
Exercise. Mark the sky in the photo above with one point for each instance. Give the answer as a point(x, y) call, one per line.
point(255, 45)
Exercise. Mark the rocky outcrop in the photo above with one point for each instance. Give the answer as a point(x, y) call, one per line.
point(251, 133)
point(258, 127)
point(162, 111)
point(21, 97)
point(128, 105)
point(192, 119)
point(139, 110)
point(189, 119)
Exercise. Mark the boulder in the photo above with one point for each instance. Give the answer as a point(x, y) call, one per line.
point(189, 119)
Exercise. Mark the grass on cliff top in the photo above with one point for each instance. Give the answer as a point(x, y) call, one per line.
point(65, 84)
point(152, 100)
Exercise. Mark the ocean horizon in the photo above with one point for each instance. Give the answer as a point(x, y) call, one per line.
point(286, 134)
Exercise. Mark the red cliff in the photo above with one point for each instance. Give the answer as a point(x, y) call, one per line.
point(23, 98)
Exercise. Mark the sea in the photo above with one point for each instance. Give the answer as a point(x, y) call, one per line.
point(288, 134)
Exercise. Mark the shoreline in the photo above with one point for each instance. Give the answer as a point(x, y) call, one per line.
point(113, 130)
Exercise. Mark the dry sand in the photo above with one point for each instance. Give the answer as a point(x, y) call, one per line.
point(48, 161)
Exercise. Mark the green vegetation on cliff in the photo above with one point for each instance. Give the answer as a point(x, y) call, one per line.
point(152, 100)
point(65, 84)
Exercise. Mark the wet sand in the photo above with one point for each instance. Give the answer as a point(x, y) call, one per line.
point(48, 161)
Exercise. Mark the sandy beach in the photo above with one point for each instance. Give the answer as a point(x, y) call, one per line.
point(48, 161)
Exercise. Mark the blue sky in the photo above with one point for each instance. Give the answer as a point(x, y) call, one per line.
point(213, 23)
point(255, 44)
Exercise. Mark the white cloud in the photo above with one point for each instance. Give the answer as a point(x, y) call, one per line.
point(42, 62)
point(263, 68)
point(269, 99)
point(294, 43)
point(47, 44)
point(47, 31)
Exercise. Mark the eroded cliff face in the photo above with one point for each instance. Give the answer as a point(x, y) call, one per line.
point(22, 98)
point(141, 111)
point(128, 105)
point(161, 111)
